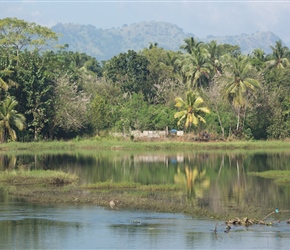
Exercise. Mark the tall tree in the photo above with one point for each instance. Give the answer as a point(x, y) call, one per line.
point(17, 35)
point(191, 109)
point(130, 70)
point(214, 51)
point(35, 92)
point(239, 83)
point(71, 106)
point(191, 45)
point(197, 68)
point(195, 65)
point(10, 119)
point(258, 58)
point(278, 59)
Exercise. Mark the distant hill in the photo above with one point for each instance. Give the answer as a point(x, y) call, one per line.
point(103, 44)
point(247, 42)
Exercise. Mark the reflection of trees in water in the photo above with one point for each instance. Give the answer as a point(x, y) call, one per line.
point(217, 180)
point(194, 179)
point(7, 162)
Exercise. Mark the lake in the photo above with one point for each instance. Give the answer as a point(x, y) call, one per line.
point(216, 181)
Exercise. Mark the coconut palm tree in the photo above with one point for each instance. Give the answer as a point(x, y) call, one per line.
point(239, 83)
point(258, 58)
point(191, 45)
point(197, 67)
point(195, 64)
point(191, 109)
point(6, 70)
point(278, 59)
point(10, 119)
point(214, 54)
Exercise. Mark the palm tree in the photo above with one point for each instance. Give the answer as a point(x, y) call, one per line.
point(214, 54)
point(10, 119)
point(195, 64)
point(153, 45)
point(191, 45)
point(191, 109)
point(6, 71)
point(258, 58)
point(279, 59)
point(196, 67)
point(239, 83)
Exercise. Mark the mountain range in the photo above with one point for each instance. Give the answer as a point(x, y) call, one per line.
point(103, 44)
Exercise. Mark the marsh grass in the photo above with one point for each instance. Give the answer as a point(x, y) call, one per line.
point(37, 177)
point(127, 144)
point(132, 186)
point(281, 177)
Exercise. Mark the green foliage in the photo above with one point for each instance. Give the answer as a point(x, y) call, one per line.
point(191, 109)
point(10, 119)
point(100, 115)
point(130, 71)
point(70, 105)
point(35, 92)
point(278, 103)
point(17, 35)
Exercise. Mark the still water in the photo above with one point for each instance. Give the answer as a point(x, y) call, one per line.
point(31, 226)
point(216, 181)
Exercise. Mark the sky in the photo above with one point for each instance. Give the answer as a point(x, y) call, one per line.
point(202, 18)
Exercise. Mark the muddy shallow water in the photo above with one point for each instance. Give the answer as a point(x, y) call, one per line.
point(30, 226)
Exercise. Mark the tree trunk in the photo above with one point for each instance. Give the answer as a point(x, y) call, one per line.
point(238, 122)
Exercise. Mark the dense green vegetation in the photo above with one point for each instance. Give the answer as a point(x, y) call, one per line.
point(63, 94)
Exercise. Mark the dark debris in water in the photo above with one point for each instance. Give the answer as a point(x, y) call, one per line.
point(249, 222)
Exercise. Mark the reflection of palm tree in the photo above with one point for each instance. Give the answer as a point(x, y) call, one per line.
point(196, 181)
point(7, 162)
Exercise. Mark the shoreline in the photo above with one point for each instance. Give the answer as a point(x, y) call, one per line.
point(119, 144)
point(155, 198)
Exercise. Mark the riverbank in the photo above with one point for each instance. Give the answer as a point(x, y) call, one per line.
point(99, 143)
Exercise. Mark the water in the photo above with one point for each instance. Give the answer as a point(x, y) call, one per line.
point(33, 226)
point(215, 181)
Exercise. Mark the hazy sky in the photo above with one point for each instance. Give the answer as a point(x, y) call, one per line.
point(202, 18)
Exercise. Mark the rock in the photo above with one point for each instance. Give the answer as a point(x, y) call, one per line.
point(112, 204)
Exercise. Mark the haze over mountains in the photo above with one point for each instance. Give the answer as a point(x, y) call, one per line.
point(103, 44)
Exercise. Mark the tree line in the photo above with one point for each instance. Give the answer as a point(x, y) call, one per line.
point(49, 92)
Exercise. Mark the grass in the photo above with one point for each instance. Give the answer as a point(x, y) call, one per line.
point(281, 177)
point(37, 177)
point(127, 144)
point(131, 185)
